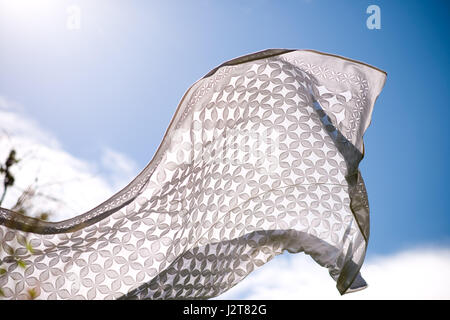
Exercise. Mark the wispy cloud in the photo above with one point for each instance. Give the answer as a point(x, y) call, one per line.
point(420, 273)
point(119, 167)
point(15, 124)
point(66, 185)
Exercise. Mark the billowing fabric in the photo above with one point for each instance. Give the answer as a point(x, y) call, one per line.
point(260, 157)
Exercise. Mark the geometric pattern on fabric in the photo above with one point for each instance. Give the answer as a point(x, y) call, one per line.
point(261, 157)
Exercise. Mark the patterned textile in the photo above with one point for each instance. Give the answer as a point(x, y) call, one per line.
point(260, 157)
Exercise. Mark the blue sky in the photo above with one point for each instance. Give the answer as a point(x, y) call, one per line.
point(116, 81)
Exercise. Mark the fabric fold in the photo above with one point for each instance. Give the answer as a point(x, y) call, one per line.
point(261, 157)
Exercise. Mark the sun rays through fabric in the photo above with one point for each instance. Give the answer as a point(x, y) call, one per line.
point(260, 157)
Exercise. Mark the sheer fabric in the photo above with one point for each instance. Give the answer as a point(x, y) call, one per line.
point(260, 157)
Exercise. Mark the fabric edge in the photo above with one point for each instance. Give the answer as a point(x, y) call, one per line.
point(345, 281)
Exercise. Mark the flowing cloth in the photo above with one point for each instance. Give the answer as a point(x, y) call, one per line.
point(260, 157)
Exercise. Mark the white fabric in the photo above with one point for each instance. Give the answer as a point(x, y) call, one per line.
point(261, 156)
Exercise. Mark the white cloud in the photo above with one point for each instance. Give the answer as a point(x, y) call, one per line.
point(421, 273)
point(119, 167)
point(75, 183)
point(14, 124)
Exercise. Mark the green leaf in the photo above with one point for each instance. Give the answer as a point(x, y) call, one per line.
point(32, 293)
point(29, 247)
point(2, 271)
point(21, 263)
point(44, 216)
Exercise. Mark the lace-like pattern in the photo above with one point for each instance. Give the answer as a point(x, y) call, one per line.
point(261, 156)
